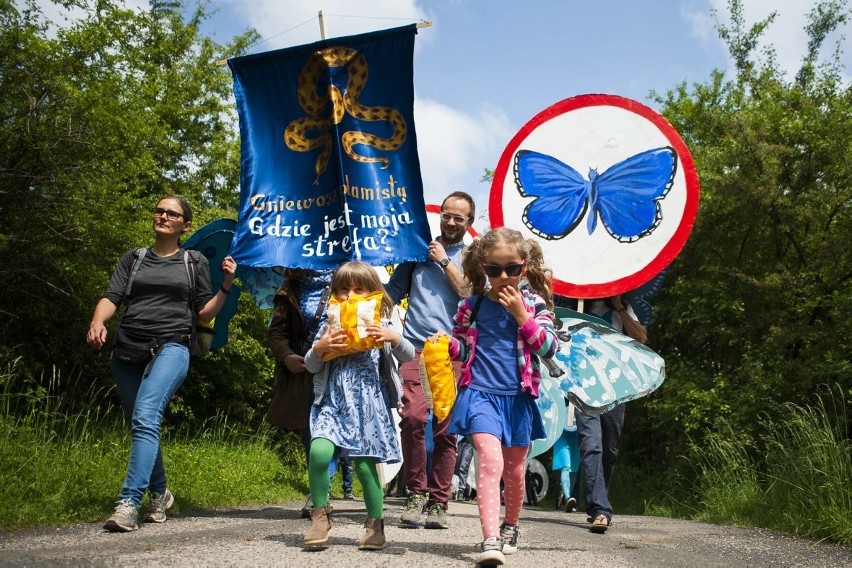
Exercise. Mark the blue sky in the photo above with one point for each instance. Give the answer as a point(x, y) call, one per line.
point(485, 67)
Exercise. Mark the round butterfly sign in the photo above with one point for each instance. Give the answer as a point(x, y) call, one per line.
point(606, 185)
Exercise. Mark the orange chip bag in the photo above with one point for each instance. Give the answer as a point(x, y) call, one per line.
point(353, 315)
point(441, 378)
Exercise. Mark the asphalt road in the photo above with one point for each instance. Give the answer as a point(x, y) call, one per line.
point(272, 535)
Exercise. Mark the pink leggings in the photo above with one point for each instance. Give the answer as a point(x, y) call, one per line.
point(496, 461)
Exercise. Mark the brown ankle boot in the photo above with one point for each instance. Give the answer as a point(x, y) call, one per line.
point(374, 538)
point(320, 526)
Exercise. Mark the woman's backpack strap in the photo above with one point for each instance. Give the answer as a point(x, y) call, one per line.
point(138, 257)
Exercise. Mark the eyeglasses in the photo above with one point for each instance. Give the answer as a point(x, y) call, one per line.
point(457, 219)
point(172, 215)
point(495, 270)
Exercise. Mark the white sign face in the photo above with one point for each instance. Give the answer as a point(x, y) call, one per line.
point(606, 186)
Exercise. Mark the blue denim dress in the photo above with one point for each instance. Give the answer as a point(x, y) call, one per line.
point(353, 413)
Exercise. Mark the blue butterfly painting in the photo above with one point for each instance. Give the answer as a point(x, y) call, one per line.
point(625, 196)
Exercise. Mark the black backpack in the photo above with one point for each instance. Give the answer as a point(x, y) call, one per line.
point(201, 336)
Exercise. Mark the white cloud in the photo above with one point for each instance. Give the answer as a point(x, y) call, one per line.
point(455, 147)
point(701, 24)
point(284, 23)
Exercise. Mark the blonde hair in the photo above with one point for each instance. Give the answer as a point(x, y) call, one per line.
point(537, 275)
point(361, 275)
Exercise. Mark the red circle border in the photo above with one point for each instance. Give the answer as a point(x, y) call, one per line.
point(681, 234)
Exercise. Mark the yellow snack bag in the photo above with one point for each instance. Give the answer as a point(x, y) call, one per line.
point(441, 380)
point(353, 315)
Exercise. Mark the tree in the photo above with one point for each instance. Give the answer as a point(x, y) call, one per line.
point(758, 304)
point(165, 7)
point(98, 118)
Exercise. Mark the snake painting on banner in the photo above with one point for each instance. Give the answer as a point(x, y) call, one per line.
point(329, 164)
point(320, 64)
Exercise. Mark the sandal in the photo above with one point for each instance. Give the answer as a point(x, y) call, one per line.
point(600, 524)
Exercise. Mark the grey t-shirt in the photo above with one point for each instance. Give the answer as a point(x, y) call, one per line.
point(159, 300)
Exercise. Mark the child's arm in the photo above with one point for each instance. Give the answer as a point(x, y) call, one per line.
point(328, 342)
point(403, 349)
point(458, 348)
point(538, 331)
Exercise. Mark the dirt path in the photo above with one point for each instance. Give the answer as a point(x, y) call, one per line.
point(272, 535)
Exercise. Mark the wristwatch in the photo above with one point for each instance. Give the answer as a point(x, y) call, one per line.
point(444, 262)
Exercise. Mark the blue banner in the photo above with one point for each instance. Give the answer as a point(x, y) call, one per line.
point(329, 165)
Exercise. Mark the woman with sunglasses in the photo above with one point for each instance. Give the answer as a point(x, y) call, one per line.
point(159, 313)
point(501, 331)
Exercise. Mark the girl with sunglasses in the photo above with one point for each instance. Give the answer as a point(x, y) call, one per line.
point(501, 331)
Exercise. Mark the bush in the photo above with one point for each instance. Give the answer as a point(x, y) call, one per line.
point(796, 478)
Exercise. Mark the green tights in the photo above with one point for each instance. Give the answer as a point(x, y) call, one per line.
point(321, 453)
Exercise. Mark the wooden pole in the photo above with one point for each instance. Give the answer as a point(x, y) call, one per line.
point(323, 34)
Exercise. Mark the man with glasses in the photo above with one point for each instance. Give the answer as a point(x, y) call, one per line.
point(434, 288)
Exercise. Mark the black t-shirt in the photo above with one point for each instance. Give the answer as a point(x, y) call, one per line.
point(159, 300)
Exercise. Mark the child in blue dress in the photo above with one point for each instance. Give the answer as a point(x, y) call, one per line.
point(500, 332)
point(352, 396)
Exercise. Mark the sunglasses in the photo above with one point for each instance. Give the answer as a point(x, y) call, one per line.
point(172, 215)
point(511, 270)
point(457, 219)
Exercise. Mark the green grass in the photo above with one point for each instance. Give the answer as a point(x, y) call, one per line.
point(808, 475)
point(797, 478)
point(64, 461)
point(59, 466)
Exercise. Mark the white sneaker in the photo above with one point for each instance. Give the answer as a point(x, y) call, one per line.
point(125, 518)
point(157, 506)
point(490, 553)
point(509, 536)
